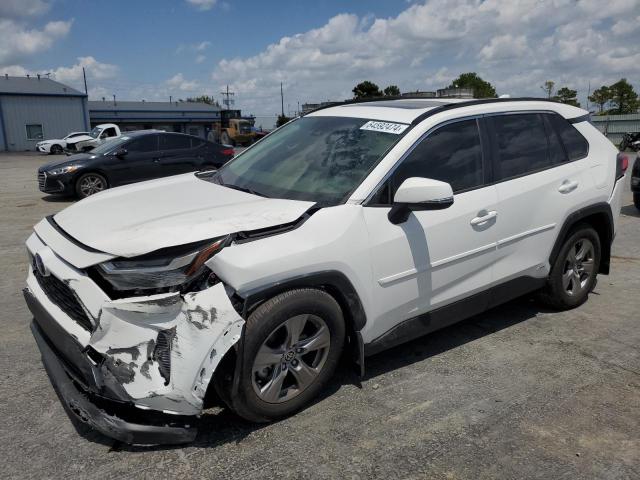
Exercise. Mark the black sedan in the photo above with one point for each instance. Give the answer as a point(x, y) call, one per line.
point(133, 157)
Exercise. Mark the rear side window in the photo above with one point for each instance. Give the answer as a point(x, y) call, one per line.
point(174, 142)
point(521, 144)
point(574, 143)
point(452, 154)
point(148, 143)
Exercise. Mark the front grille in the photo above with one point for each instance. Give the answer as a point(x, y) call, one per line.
point(41, 180)
point(61, 295)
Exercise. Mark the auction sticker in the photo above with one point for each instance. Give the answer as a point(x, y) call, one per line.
point(386, 127)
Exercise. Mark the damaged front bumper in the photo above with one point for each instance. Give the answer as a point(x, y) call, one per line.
point(136, 369)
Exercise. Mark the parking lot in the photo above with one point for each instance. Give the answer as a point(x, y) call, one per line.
point(518, 392)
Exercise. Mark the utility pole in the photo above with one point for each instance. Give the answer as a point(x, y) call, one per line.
point(114, 99)
point(281, 100)
point(227, 98)
point(588, 95)
point(84, 75)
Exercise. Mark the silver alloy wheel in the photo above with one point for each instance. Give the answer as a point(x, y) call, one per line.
point(91, 184)
point(291, 358)
point(578, 267)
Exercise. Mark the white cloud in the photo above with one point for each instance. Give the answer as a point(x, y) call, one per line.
point(202, 4)
point(19, 41)
point(94, 69)
point(514, 45)
point(180, 83)
point(199, 47)
point(200, 58)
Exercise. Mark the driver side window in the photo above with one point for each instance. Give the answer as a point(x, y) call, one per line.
point(452, 154)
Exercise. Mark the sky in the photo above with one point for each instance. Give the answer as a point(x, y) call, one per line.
point(320, 49)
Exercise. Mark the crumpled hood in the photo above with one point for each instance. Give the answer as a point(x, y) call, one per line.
point(80, 138)
point(144, 217)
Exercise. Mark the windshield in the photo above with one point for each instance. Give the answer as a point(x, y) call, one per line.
point(318, 159)
point(110, 146)
point(95, 132)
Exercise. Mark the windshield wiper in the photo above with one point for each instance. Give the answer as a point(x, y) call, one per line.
point(236, 187)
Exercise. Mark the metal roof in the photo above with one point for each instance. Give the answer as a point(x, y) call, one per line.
point(128, 106)
point(35, 86)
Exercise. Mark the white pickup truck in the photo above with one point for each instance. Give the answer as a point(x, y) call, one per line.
point(99, 134)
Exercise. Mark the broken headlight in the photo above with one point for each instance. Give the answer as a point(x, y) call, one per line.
point(168, 270)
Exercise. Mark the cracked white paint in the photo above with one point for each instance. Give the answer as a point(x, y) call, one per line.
point(206, 326)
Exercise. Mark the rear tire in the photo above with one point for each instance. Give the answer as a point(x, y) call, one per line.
point(292, 346)
point(573, 274)
point(89, 184)
point(636, 200)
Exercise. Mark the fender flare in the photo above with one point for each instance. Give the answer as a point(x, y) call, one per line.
point(334, 282)
point(337, 285)
point(601, 212)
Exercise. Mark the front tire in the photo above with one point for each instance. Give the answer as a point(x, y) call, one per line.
point(90, 184)
point(573, 274)
point(292, 346)
point(55, 150)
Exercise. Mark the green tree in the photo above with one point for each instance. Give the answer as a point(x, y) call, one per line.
point(392, 91)
point(282, 119)
point(600, 96)
point(623, 98)
point(203, 99)
point(366, 89)
point(548, 88)
point(568, 96)
point(481, 88)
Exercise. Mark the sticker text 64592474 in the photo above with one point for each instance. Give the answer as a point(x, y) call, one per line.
point(386, 127)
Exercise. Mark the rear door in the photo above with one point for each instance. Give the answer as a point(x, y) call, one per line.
point(177, 156)
point(536, 186)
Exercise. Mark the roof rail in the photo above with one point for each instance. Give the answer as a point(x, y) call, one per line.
point(371, 99)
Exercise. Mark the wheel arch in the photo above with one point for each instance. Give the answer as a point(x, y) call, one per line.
point(87, 170)
point(336, 284)
point(600, 217)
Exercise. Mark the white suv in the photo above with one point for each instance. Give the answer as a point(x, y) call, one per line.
point(358, 227)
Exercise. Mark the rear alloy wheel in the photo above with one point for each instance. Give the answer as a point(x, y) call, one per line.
point(55, 150)
point(292, 345)
point(90, 184)
point(573, 274)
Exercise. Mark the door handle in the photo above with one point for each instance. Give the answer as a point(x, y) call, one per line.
point(568, 186)
point(479, 220)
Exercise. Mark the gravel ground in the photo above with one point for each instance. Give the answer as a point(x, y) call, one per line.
point(518, 392)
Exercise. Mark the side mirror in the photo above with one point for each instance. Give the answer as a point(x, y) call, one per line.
point(417, 193)
point(121, 152)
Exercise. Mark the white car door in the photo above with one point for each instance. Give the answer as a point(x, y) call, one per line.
point(439, 256)
point(536, 186)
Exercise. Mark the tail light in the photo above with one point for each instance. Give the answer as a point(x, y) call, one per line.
point(622, 163)
point(228, 152)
